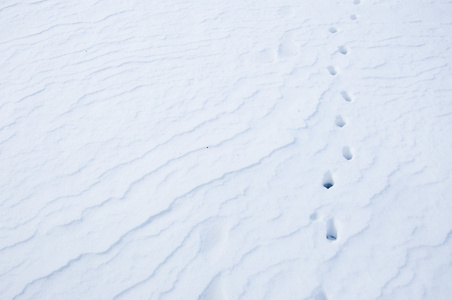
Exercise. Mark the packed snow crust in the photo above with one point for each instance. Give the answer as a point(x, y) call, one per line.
point(207, 149)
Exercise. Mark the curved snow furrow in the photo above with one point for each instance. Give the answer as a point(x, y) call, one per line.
point(167, 293)
point(53, 201)
point(22, 201)
point(139, 180)
point(265, 272)
point(51, 28)
point(40, 34)
point(11, 125)
point(8, 139)
point(155, 216)
point(393, 284)
point(176, 272)
point(33, 223)
point(385, 287)
point(223, 150)
point(9, 271)
point(181, 134)
point(8, 6)
point(212, 237)
point(43, 278)
point(169, 162)
point(165, 144)
point(6, 247)
point(159, 266)
point(257, 273)
point(175, 159)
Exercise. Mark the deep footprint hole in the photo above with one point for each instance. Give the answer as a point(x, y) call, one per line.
point(332, 70)
point(347, 153)
point(331, 232)
point(328, 181)
point(346, 96)
point(343, 50)
point(328, 185)
point(320, 295)
point(340, 122)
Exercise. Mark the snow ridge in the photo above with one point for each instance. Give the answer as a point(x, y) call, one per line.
point(225, 150)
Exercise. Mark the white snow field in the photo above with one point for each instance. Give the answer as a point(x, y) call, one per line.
point(206, 149)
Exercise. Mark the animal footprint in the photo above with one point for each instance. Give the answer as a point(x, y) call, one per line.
point(319, 295)
point(215, 289)
point(287, 46)
point(332, 70)
point(331, 232)
point(343, 50)
point(213, 235)
point(347, 153)
point(285, 11)
point(266, 56)
point(353, 17)
point(346, 96)
point(340, 122)
point(328, 181)
point(357, 2)
point(314, 216)
point(332, 30)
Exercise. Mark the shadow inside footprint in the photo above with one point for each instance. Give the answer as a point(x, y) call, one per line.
point(332, 30)
point(340, 122)
point(314, 216)
point(347, 153)
point(331, 232)
point(213, 235)
point(343, 50)
point(328, 181)
point(332, 70)
point(346, 96)
point(320, 295)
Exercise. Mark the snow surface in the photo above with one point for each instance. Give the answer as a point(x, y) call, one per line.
point(226, 149)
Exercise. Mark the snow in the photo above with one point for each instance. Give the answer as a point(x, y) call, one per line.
point(226, 149)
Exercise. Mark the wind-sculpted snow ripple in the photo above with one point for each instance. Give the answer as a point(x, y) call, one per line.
point(225, 150)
